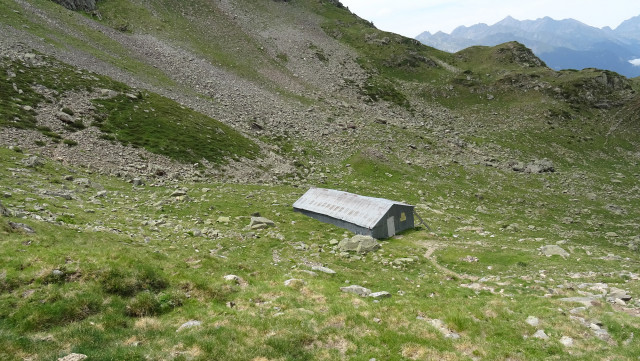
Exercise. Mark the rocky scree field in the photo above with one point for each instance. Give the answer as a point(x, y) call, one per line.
point(148, 174)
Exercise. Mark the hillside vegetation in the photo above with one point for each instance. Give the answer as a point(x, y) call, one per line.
point(140, 141)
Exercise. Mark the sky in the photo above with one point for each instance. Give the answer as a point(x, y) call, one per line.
point(412, 17)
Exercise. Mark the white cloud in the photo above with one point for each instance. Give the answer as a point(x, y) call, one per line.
point(635, 62)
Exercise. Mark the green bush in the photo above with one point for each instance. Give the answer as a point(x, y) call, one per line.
point(144, 304)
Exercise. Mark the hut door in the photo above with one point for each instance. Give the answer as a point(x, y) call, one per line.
point(391, 226)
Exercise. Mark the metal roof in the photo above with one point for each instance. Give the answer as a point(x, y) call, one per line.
point(353, 208)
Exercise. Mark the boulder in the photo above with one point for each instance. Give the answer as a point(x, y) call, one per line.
point(566, 341)
point(533, 321)
point(189, 324)
point(224, 220)
point(33, 161)
point(64, 117)
point(21, 227)
point(73, 357)
point(4, 212)
point(554, 250)
point(357, 290)
point(323, 269)
point(294, 283)
point(348, 245)
point(541, 335)
point(260, 223)
point(540, 166)
point(359, 243)
point(381, 294)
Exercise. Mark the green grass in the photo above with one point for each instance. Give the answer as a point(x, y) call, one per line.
point(165, 127)
point(156, 123)
point(135, 285)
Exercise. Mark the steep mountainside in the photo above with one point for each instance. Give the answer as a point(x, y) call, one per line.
point(562, 44)
point(151, 151)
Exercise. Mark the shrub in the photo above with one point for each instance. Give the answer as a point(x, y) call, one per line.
point(144, 304)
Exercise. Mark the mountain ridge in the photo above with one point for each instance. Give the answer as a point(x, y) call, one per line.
point(563, 44)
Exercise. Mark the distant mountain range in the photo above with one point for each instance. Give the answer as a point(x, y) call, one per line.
point(561, 44)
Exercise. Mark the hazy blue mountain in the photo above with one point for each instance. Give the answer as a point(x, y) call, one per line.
point(561, 44)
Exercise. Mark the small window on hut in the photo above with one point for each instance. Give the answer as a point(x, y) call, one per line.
point(403, 217)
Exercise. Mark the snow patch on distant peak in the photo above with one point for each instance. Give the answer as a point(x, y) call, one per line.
point(635, 62)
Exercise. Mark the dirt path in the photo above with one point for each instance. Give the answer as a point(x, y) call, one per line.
point(431, 248)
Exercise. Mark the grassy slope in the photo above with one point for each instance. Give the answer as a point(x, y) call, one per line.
point(151, 121)
point(123, 293)
point(134, 266)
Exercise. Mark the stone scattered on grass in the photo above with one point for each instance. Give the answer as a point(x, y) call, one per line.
point(4, 212)
point(541, 335)
point(359, 244)
point(440, 326)
point(533, 321)
point(21, 227)
point(260, 223)
point(381, 294)
point(323, 269)
point(554, 250)
point(566, 341)
point(33, 161)
point(358, 290)
point(189, 324)
point(587, 301)
point(225, 220)
point(236, 279)
point(73, 357)
point(295, 283)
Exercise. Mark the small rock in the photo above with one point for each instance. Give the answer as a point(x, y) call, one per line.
point(323, 269)
point(21, 227)
point(541, 335)
point(101, 194)
point(64, 117)
point(566, 341)
point(33, 161)
point(402, 261)
point(4, 212)
point(73, 357)
point(440, 326)
point(533, 321)
point(381, 294)
point(83, 182)
point(358, 290)
point(235, 279)
point(224, 220)
point(137, 182)
point(189, 324)
point(260, 223)
point(179, 193)
point(295, 283)
point(554, 250)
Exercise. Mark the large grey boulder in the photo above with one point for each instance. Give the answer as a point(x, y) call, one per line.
point(359, 244)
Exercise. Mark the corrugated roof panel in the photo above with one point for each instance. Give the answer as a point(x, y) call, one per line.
point(353, 208)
